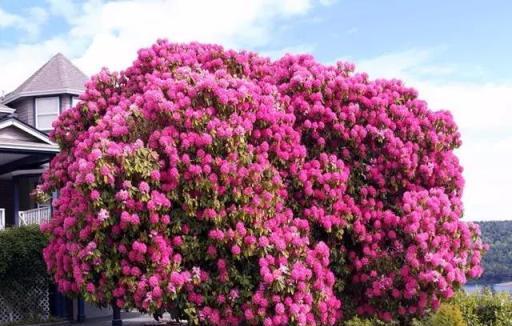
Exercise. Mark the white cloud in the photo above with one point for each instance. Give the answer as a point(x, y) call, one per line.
point(296, 49)
point(8, 19)
point(30, 23)
point(17, 63)
point(109, 33)
point(36, 17)
point(483, 112)
point(413, 63)
point(65, 8)
point(124, 27)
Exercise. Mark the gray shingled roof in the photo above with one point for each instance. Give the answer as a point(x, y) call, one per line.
point(58, 75)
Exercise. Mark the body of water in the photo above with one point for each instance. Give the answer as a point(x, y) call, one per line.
point(500, 287)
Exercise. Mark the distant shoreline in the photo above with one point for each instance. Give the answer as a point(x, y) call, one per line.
point(509, 283)
point(506, 283)
point(498, 287)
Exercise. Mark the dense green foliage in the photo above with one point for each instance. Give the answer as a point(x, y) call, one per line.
point(485, 308)
point(447, 315)
point(21, 257)
point(22, 269)
point(497, 262)
point(358, 321)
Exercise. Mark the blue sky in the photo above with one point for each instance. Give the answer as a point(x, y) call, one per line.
point(466, 35)
point(456, 53)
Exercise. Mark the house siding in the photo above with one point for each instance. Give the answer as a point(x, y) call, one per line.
point(25, 110)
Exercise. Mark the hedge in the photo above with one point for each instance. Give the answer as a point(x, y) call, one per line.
point(21, 259)
point(24, 280)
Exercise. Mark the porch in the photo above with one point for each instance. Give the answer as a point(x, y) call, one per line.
point(37, 216)
point(24, 155)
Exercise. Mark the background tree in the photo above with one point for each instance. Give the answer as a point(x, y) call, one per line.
point(230, 188)
point(497, 262)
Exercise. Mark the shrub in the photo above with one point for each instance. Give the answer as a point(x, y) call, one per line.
point(21, 259)
point(363, 321)
point(231, 189)
point(22, 269)
point(356, 321)
point(447, 315)
point(485, 308)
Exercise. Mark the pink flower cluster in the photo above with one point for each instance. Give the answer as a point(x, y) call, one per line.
point(231, 189)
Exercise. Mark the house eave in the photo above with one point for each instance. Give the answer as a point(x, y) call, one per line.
point(28, 129)
point(9, 98)
point(25, 148)
point(16, 173)
point(6, 110)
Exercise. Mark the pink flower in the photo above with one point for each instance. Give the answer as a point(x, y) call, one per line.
point(144, 187)
point(95, 195)
point(103, 215)
point(122, 195)
point(90, 288)
point(235, 250)
point(177, 279)
point(280, 309)
point(195, 153)
point(89, 178)
point(155, 175)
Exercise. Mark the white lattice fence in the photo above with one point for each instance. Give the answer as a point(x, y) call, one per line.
point(22, 303)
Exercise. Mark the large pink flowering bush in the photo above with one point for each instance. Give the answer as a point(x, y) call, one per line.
point(229, 189)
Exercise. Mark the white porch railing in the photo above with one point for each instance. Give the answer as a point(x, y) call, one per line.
point(35, 216)
point(2, 218)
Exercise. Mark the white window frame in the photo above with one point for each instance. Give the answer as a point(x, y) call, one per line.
point(76, 98)
point(36, 114)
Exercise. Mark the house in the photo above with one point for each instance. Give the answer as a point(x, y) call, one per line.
point(26, 116)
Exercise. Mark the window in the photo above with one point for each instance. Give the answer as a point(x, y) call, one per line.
point(74, 101)
point(47, 110)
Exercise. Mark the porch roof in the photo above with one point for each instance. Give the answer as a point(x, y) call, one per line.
point(23, 147)
point(4, 109)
